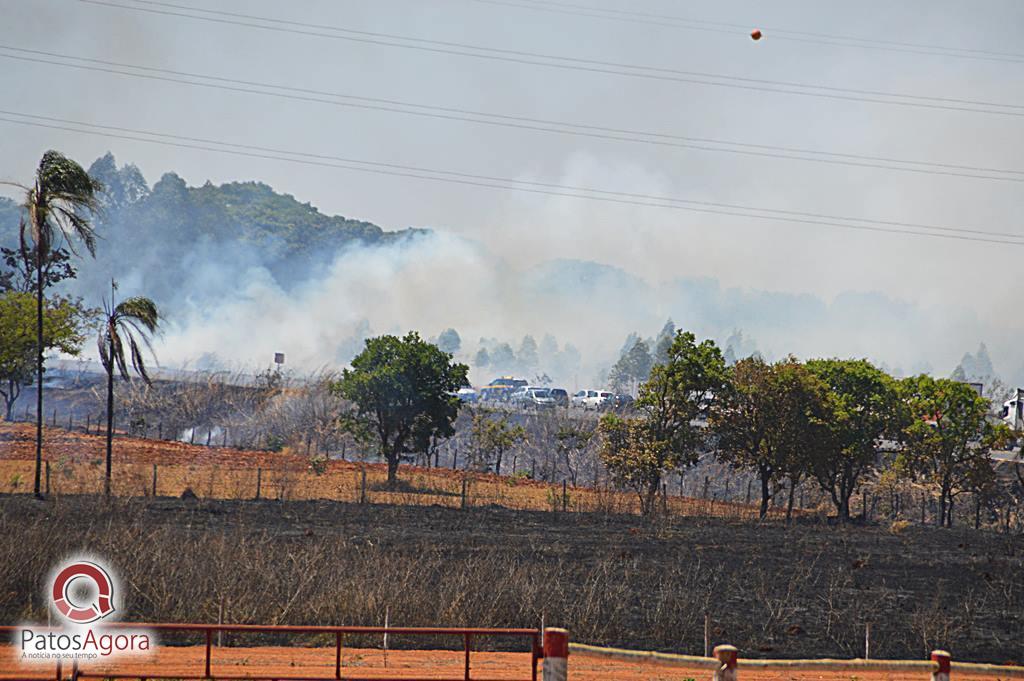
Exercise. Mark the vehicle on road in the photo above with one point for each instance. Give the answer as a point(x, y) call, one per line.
point(1012, 413)
point(592, 399)
point(467, 394)
point(501, 389)
point(529, 397)
point(540, 398)
point(622, 401)
point(560, 396)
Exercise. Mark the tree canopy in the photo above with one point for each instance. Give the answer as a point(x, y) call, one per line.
point(865, 408)
point(404, 394)
point(947, 437)
point(65, 322)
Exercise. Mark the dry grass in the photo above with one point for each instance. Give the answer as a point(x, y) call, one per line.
point(803, 591)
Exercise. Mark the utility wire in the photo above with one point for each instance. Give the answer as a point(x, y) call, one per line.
point(672, 21)
point(575, 63)
point(517, 122)
point(510, 184)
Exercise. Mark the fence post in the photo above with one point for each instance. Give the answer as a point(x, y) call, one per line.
point(259, 480)
point(337, 655)
point(154, 480)
point(565, 497)
point(726, 655)
point(463, 491)
point(707, 634)
point(47, 477)
point(362, 487)
point(88, 422)
point(556, 655)
point(942, 660)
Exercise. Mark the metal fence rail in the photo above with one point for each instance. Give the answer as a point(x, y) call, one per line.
point(207, 632)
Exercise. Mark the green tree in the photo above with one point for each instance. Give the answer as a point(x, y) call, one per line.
point(58, 206)
point(493, 437)
point(864, 408)
point(672, 403)
point(133, 320)
point(404, 393)
point(635, 457)
point(948, 438)
point(64, 324)
point(768, 420)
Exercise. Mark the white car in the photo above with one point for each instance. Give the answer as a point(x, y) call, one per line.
point(467, 395)
point(592, 399)
point(541, 398)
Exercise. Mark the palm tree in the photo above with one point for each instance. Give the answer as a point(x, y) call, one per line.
point(59, 206)
point(134, 320)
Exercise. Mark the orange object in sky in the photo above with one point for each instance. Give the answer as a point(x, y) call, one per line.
point(756, 34)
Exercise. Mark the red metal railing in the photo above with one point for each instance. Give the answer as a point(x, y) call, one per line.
point(208, 630)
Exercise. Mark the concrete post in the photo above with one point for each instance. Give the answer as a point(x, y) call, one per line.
point(556, 655)
point(727, 657)
point(942, 660)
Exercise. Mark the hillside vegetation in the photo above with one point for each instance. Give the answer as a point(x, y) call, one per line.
point(169, 228)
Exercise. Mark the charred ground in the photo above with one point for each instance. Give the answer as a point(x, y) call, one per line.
point(805, 591)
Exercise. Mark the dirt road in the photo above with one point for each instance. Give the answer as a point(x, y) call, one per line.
point(187, 662)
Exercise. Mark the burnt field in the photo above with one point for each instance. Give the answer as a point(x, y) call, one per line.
point(805, 591)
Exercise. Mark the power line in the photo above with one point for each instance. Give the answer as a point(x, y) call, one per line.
point(673, 21)
point(521, 122)
point(510, 184)
point(576, 63)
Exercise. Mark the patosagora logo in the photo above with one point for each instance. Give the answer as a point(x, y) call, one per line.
point(83, 592)
point(91, 577)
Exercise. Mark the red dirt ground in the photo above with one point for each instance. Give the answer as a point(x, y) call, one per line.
point(76, 458)
point(435, 664)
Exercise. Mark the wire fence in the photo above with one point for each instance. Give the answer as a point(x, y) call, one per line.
point(214, 465)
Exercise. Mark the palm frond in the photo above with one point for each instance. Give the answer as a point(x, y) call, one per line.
point(138, 362)
point(137, 318)
point(68, 181)
point(71, 223)
point(139, 310)
point(62, 202)
point(104, 346)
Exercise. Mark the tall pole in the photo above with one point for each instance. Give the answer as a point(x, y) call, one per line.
point(110, 392)
point(39, 341)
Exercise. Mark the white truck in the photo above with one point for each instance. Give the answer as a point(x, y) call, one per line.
point(1012, 413)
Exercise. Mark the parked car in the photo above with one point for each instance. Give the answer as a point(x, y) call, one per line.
point(540, 398)
point(560, 396)
point(622, 400)
point(501, 389)
point(467, 395)
point(580, 396)
point(519, 396)
point(592, 399)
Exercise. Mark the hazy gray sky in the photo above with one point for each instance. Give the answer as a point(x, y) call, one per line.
point(960, 277)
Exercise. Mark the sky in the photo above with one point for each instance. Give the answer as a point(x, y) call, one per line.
point(967, 290)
